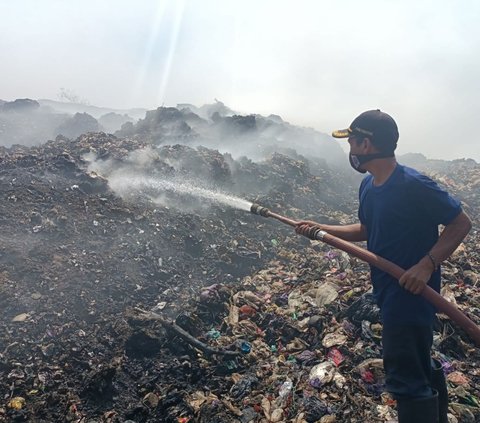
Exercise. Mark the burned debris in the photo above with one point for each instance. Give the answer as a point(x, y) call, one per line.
point(141, 306)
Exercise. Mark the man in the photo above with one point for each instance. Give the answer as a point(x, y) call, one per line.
point(399, 212)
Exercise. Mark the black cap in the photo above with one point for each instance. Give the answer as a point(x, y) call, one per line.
point(375, 124)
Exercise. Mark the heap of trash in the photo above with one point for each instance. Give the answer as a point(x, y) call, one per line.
point(123, 306)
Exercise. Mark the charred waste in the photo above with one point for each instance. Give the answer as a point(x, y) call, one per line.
point(136, 286)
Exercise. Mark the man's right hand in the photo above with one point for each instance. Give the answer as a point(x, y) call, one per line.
point(307, 228)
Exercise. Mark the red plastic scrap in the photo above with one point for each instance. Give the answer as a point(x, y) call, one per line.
point(257, 408)
point(367, 376)
point(336, 356)
point(246, 311)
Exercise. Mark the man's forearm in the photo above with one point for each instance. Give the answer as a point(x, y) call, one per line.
point(450, 238)
point(354, 232)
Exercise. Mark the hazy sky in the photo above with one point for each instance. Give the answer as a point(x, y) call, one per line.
point(316, 63)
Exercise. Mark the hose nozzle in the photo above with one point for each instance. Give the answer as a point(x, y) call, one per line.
point(258, 209)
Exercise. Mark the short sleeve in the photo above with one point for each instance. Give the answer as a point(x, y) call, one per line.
point(437, 204)
point(361, 193)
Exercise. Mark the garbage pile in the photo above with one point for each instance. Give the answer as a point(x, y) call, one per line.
point(123, 309)
point(310, 336)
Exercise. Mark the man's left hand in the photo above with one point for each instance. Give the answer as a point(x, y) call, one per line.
point(416, 278)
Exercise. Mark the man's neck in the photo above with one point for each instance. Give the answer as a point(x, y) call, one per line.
point(381, 169)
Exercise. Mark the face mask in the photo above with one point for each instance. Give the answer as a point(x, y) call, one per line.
point(357, 160)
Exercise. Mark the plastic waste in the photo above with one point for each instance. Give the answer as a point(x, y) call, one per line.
point(243, 386)
point(17, 403)
point(365, 308)
point(321, 374)
point(21, 317)
point(245, 346)
point(246, 311)
point(306, 356)
point(213, 334)
point(326, 294)
point(336, 356)
point(285, 389)
point(315, 409)
point(332, 339)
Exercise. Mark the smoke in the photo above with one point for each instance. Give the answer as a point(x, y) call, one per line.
point(217, 127)
point(31, 122)
point(24, 122)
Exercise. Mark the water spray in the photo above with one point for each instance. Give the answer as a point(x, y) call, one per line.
point(125, 184)
point(387, 266)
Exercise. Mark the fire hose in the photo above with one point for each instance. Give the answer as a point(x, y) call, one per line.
point(387, 266)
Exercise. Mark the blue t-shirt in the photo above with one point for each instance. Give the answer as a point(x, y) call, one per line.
point(402, 217)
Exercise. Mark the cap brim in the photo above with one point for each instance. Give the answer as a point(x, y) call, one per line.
point(342, 133)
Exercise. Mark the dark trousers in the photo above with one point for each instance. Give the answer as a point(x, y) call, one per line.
point(406, 359)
